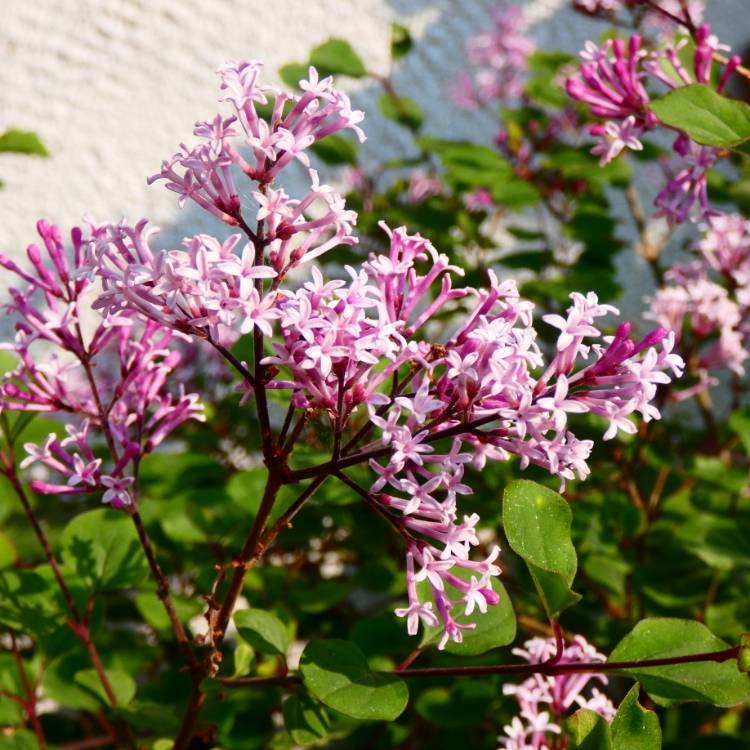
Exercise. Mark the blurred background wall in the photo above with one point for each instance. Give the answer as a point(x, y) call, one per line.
point(112, 86)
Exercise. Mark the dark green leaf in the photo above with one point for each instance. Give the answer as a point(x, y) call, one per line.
point(657, 638)
point(401, 41)
point(495, 628)
point(705, 115)
point(305, 721)
point(337, 57)
point(337, 674)
point(22, 142)
point(635, 728)
point(404, 110)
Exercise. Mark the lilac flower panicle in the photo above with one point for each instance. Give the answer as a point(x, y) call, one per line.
point(370, 352)
point(110, 381)
point(499, 60)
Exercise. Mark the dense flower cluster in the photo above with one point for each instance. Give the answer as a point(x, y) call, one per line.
point(660, 21)
point(499, 58)
point(112, 381)
point(710, 315)
point(545, 701)
point(612, 81)
point(426, 376)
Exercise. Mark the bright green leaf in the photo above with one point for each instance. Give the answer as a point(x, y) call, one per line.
point(102, 547)
point(537, 524)
point(589, 731)
point(719, 683)
point(22, 142)
point(8, 552)
point(335, 150)
point(337, 674)
point(705, 115)
point(635, 728)
point(123, 685)
point(263, 631)
point(337, 57)
point(292, 73)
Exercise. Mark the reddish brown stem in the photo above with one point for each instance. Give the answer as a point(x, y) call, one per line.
point(544, 668)
point(162, 591)
point(29, 704)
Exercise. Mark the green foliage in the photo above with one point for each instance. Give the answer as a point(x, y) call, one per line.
point(337, 57)
point(633, 726)
point(589, 731)
point(337, 674)
point(263, 631)
point(101, 547)
point(719, 683)
point(706, 116)
point(401, 41)
point(22, 142)
point(537, 524)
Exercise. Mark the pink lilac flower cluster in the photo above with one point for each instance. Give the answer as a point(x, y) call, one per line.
point(432, 375)
point(661, 22)
point(611, 80)
point(707, 302)
point(544, 701)
point(111, 381)
point(499, 59)
point(342, 344)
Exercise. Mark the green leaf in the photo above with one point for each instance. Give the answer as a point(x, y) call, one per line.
point(337, 674)
point(719, 683)
point(263, 631)
point(404, 110)
point(401, 41)
point(589, 731)
point(305, 721)
point(123, 685)
point(71, 682)
point(22, 142)
point(706, 116)
point(635, 728)
point(152, 609)
point(337, 57)
point(8, 551)
point(743, 660)
point(292, 73)
point(20, 739)
point(495, 628)
point(335, 149)
point(102, 547)
point(537, 524)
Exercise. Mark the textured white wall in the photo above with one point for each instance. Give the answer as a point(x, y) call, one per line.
point(112, 86)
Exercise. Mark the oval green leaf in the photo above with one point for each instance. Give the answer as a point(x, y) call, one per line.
point(337, 674)
point(635, 728)
point(720, 683)
point(706, 116)
point(263, 631)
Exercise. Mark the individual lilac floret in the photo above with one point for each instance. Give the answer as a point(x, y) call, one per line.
point(499, 58)
point(110, 381)
point(544, 701)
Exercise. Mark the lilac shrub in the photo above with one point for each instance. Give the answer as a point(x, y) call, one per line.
point(341, 347)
